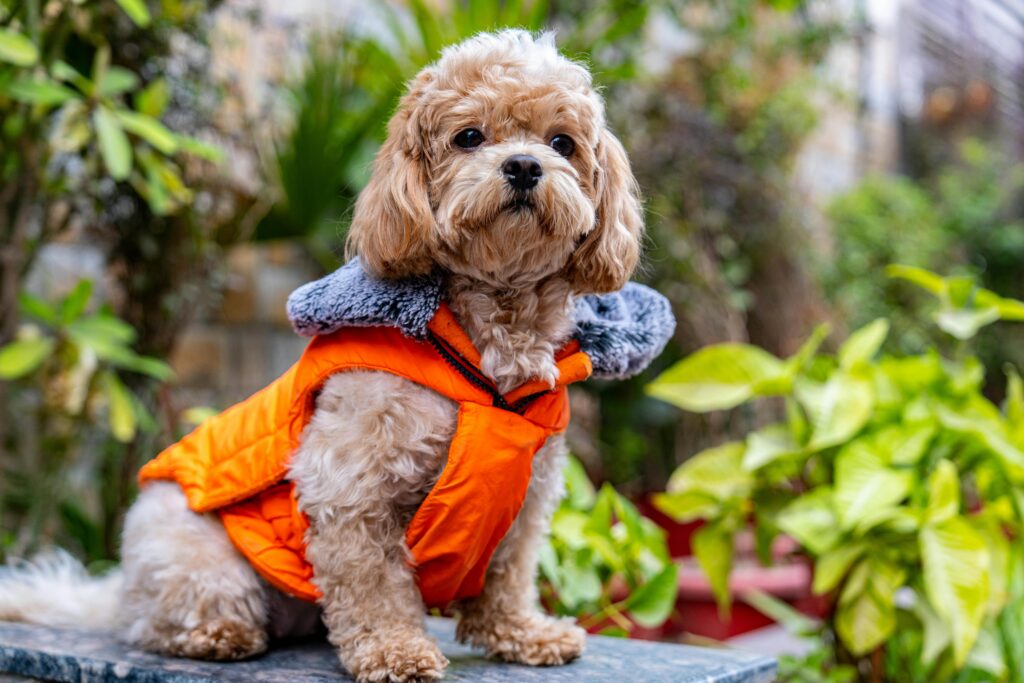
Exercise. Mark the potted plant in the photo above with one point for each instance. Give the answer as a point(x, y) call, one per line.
point(900, 481)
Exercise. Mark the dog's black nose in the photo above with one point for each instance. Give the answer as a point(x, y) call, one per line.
point(522, 171)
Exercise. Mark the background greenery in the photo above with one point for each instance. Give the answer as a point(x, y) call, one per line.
point(110, 134)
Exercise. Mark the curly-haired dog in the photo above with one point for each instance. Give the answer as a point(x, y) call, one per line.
point(499, 178)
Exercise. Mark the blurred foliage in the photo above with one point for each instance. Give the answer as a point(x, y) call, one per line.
point(67, 365)
point(604, 562)
point(893, 473)
point(969, 216)
point(712, 141)
point(101, 104)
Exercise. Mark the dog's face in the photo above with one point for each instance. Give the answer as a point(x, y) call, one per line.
point(498, 165)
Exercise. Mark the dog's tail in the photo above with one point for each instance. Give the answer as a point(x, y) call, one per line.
point(54, 589)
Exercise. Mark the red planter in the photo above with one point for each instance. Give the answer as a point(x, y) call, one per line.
point(696, 612)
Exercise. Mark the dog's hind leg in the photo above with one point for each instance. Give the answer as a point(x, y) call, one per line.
point(187, 590)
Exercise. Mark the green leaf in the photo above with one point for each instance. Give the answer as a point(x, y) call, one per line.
point(152, 100)
point(964, 323)
point(40, 91)
point(719, 377)
point(36, 308)
point(943, 493)
point(200, 149)
point(580, 493)
point(866, 615)
point(767, 445)
point(114, 146)
point(863, 344)
point(838, 409)
point(925, 279)
point(116, 80)
point(987, 653)
point(831, 568)
point(121, 415)
point(136, 11)
point(904, 444)
point(795, 623)
point(652, 602)
point(956, 565)
point(811, 520)
point(686, 506)
point(149, 129)
point(937, 635)
point(75, 302)
point(1013, 406)
point(717, 472)
point(17, 49)
point(20, 358)
point(864, 483)
point(713, 548)
point(865, 622)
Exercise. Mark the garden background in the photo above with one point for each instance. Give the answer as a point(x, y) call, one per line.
point(171, 169)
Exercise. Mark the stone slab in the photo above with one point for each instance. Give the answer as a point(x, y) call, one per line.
point(74, 656)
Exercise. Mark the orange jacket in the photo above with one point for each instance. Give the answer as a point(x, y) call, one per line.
point(237, 462)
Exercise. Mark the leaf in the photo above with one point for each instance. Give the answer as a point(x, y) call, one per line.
point(767, 445)
point(75, 302)
point(652, 603)
point(956, 565)
point(687, 505)
point(1013, 406)
point(40, 91)
point(838, 409)
point(719, 377)
point(716, 471)
point(811, 520)
point(713, 548)
point(116, 80)
point(580, 493)
point(937, 635)
point(925, 279)
point(904, 444)
point(865, 622)
point(200, 149)
point(121, 415)
point(795, 623)
point(943, 493)
point(964, 323)
point(35, 307)
point(864, 483)
point(136, 11)
point(987, 653)
point(17, 49)
point(831, 568)
point(866, 615)
point(20, 358)
point(152, 100)
point(114, 146)
point(863, 344)
point(149, 129)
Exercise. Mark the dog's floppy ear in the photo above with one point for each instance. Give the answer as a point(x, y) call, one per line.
point(604, 260)
point(393, 221)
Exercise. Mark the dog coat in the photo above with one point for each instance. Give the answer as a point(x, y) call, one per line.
point(236, 464)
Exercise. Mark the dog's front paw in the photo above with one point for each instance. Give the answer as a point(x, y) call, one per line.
point(532, 639)
point(222, 640)
point(394, 658)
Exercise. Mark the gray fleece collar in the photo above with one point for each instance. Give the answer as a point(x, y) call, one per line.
point(622, 332)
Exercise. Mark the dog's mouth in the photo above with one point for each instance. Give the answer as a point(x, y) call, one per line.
point(520, 201)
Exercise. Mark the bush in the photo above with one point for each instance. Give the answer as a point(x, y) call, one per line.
point(896, 476)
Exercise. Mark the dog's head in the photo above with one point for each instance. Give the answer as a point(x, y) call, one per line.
point(498, 165)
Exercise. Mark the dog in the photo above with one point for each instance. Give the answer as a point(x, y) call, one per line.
point(498, 173)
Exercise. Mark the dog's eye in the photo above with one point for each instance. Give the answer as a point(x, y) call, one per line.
point(469, 138)
point(563, 144)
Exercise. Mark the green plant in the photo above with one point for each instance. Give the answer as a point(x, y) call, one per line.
point(899, 479)
point(604, 561)
point(67, 367)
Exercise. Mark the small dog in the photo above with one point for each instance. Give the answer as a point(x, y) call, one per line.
point(499, 173)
